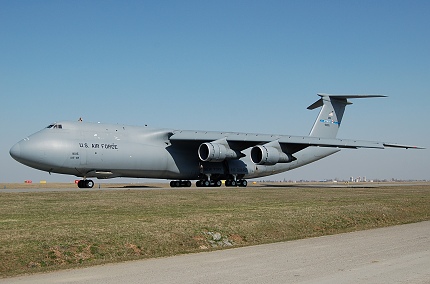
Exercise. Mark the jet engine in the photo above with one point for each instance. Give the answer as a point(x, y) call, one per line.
point(215, 152)
point(266, 155)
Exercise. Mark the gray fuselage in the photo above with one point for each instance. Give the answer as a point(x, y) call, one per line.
point(107, 151)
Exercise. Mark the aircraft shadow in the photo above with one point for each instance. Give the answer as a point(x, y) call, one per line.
point(317, 186)
point(139, 186)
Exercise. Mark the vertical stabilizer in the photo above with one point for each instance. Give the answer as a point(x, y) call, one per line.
point(330, 117)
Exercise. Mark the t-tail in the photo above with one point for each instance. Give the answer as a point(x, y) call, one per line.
point(330, 117)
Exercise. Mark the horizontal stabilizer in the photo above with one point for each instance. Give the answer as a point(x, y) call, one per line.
point(320, 102)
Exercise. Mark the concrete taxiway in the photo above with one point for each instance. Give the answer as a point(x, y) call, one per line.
point(399, 254)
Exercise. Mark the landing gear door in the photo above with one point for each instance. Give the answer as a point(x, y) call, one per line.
point(238, 167)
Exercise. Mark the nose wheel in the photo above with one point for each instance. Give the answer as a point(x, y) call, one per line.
point(87, 183)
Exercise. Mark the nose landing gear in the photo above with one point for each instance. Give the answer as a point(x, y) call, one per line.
point(87, 183)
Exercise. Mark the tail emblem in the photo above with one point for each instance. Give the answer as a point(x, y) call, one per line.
point(329, 121)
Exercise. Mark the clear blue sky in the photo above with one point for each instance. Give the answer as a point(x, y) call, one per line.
point(249, 66)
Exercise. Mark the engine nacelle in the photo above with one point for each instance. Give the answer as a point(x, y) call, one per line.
point(266, 155)
point(215, 152)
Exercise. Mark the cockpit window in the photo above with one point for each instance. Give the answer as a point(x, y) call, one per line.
point(59, 126)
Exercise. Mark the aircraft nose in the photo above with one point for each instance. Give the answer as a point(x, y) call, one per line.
point(15, 151)
point(40, 151)
point(28, 152)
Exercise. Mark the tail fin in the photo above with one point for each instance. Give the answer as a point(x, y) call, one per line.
point(333, 106)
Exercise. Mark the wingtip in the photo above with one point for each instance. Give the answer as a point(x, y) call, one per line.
point(392, 145)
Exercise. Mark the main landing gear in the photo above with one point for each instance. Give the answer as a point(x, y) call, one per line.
point(180, 183)
point(240, 182)
point(86, 183)
point(218, 183)
point(209, 183)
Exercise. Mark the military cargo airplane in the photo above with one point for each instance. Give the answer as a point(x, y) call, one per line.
point(95, 150)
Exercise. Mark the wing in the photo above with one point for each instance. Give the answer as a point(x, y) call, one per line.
point(241, 141)
point(265, 149)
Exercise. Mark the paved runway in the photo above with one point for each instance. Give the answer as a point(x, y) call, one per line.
point(399, 254)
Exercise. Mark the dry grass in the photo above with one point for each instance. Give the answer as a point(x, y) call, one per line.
point(41, 231)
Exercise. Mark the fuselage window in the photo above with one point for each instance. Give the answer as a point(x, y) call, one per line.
point(59, 126)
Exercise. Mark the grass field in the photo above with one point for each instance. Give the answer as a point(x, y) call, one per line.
point(44, 231)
